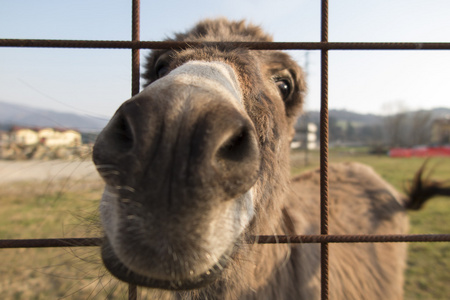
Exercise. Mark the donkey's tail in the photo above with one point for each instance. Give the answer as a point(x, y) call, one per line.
point(423, 188)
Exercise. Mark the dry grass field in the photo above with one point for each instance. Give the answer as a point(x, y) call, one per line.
point(63, 202)
point(55, 199)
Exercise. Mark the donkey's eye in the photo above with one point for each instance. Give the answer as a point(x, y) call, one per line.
point(285, 87)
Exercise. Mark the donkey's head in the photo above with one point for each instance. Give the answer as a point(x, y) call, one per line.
point(194, 162)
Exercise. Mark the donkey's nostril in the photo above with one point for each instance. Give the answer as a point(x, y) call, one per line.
point(120, 134)
point(236, 159)
point(236, 147)
point(239, 147)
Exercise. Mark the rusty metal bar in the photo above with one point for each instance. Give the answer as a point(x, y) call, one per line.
point(132, 291)
point(94, 44)
point(43, 243)
point(318, 238)
point(324, 153)
point(135, 61)
point(260, 239)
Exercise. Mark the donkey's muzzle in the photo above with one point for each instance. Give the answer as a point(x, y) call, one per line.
point(186, 136)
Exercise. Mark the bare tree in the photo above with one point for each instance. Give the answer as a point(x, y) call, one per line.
point(419, 128)
point(394, 122)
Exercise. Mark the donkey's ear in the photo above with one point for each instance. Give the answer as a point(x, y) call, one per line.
point(151, 72)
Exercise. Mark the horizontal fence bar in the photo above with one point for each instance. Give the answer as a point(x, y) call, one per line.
point(44, 243)
point(34, 43)
point(300, 239)
point(261, 239)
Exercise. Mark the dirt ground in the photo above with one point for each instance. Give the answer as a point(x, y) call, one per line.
point(37, 170)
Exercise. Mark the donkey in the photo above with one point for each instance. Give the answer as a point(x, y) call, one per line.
point(198, 162)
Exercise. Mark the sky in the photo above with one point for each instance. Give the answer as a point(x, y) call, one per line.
point(95, 82)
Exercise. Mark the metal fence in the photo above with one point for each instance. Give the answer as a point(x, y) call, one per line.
point(323, 46)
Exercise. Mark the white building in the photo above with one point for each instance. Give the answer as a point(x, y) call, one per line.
point(46, 136)
point(23, 136)
point(305, 135)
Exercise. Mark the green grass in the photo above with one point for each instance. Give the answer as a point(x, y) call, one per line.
point(428, 273)
point(68, 209)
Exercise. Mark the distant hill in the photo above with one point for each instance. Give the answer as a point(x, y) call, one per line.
point(13, 114)
point(440, 112)
point(399, 130)
point(344, 116)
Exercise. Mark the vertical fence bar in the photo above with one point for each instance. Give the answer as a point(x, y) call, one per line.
point(132, 292)
point(324, 152)
point(135, 76)
point(135, 63)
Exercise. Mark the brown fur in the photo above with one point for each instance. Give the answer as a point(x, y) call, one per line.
point(145, 151)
